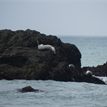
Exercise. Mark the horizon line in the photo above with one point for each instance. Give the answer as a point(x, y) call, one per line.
point(53, 1)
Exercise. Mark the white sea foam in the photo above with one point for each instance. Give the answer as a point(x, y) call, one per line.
point(104, 79)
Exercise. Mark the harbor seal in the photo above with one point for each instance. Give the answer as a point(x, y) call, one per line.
point(46, 47)
point(71, 66)
point(88, 72)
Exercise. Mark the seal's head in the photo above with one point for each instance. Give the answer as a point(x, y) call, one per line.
point(53, 50)
point(88, 72)
point(71, 66)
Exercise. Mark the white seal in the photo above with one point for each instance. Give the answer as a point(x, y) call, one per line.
point(46, 47)
point(71, 66)
point(88, 72)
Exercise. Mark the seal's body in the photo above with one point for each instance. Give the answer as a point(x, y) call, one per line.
point(46, 47)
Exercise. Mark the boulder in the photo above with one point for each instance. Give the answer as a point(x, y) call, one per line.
point(21, 59)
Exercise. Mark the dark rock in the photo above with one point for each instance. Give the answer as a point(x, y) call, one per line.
point(29, 89)
point(100, 70)
point(14, 60)
point(21, 59)
point(89, 79)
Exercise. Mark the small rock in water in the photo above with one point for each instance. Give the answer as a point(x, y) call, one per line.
point(29, 89)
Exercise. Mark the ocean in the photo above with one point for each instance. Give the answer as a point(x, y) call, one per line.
point(62, 94)
point(92, 48)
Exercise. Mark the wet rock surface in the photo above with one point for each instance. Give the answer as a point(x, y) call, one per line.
point(21, 59)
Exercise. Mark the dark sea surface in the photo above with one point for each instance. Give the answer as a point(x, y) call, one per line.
point(62, 94)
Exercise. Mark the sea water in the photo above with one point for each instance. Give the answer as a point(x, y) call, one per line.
point(55, 94)
point(62, 94)
point(92, 48)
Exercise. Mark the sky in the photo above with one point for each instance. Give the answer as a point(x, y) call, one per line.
point(55, 17)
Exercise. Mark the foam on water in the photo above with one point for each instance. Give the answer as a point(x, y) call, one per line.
point(103, 79)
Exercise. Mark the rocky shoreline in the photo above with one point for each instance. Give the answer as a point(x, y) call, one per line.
point(21, 59)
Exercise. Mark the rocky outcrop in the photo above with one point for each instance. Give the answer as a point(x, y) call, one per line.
point(100, 70)
point(21, 59)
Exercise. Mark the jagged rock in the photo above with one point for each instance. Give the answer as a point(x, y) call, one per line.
point(21, 59)
point(100, 70)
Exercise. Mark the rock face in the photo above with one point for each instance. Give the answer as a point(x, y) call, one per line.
point(21, 59)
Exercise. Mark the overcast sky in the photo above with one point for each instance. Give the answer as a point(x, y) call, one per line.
point(56, 17)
